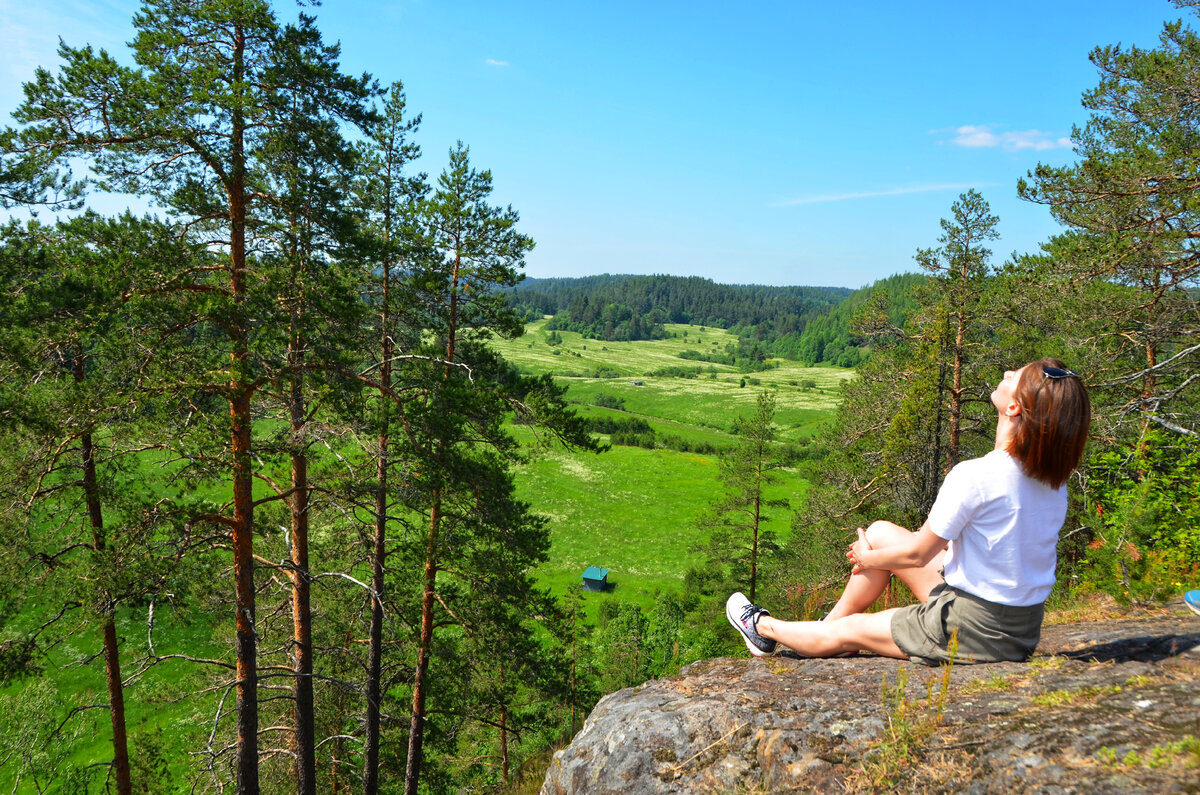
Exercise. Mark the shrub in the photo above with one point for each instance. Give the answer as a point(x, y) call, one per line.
point(607, 401)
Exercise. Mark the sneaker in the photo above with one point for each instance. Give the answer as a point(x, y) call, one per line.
point(744, 617)
point(1192, 600)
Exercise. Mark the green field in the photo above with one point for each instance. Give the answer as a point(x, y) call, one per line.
point(631, 510)
point(634, 511)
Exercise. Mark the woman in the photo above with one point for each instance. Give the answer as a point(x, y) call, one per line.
point(983, 563)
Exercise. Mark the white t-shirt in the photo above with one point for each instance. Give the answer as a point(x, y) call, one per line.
point(1002, 526)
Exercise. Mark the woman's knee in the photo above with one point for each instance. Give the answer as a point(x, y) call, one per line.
point(882, 533)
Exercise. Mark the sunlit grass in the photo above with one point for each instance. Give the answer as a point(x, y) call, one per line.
point(805, 396)
point(635, 511)
point(631, 511)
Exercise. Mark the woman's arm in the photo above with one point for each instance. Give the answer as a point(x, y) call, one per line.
point(912, 551)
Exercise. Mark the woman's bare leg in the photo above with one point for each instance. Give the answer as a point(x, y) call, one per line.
point(865, 586)
point(858, 632)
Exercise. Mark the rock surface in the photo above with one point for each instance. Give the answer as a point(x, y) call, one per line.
point(1107, 706)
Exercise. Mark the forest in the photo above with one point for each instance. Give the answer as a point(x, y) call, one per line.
point(615, 307)
point(813, 325)
point(257, 453)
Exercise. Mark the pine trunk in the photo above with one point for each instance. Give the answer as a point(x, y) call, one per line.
point(112, 660)
point(116, 702)
point(378, 561)
point(243, 572)
point(241, 424)
point(304, 741)
point(412, 773)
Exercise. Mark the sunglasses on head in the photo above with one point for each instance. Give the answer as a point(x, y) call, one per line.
point(1059, 372)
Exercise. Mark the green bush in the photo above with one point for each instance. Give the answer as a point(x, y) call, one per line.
point(1142, 514)
point(607, 401)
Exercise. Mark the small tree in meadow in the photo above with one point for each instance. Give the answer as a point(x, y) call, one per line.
point(737, 518)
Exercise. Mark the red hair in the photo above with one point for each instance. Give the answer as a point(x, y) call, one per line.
point(1050, 431)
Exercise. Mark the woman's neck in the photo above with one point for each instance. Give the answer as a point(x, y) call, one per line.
point(1004, 432)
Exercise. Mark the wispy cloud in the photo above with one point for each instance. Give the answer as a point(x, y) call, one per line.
point(841, 197)
point(494, 62)
point(981, 136)
point(29, 33)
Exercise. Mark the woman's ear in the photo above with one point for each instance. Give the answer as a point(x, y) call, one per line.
point(1012, 409)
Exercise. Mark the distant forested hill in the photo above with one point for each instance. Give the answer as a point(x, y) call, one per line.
point(810, 324)
point(830, 338)
point(624, 307)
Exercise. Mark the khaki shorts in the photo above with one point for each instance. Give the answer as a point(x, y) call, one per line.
point(987, 632)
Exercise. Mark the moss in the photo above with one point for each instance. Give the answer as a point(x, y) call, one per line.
point(665, 755)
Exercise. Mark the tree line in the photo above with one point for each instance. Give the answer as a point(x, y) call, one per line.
point(625, 307)
point(814, 325)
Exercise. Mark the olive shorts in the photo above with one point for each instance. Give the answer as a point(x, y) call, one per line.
point(987, 632)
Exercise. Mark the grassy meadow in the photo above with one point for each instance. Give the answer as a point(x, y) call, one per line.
point(631, 510)
point(634, 511)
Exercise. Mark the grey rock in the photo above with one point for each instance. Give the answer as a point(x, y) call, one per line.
point(1067, 721)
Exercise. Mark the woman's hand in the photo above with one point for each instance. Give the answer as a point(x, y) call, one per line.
point(855, 553)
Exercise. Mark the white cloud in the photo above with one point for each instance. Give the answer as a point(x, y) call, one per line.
point(838, 197)
point(494, 62)
point(980, 136)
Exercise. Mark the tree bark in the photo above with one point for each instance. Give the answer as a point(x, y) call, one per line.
point(412, 773)
point(306, 758)
point(503, 731)
point(112, 661)
point(378, 561)
point(243, 573)
point(241, 424)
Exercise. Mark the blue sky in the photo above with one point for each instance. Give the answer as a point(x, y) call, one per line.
point(771, 143)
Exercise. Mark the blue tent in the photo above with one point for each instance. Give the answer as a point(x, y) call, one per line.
point(595, 579)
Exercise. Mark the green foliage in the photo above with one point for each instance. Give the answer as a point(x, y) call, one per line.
point(1131, 216)
point(605, 400)
point(149, 764)
point(1130, 313)
point(739, 541)
point(836, 338)
point(17, 658)
point(625, 308)
point(631, 646)
point(677, 372)
point(1144, 519)
point(37, 739)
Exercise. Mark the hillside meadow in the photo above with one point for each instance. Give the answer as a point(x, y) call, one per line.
point(634, 511)
point(631, 510)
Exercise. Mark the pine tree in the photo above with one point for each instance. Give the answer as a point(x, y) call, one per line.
point(390, 205)
point(961, 268)
point(1131, 219)
point(747, 470)
point(81, 425)
point(478, 543)
point(190, 127)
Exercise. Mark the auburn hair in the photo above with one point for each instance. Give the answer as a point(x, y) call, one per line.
point(1050, 431)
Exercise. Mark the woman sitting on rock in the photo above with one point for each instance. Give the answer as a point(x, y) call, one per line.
point(983, 562)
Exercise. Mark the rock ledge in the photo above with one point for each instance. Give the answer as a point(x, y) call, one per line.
point(1109, 706)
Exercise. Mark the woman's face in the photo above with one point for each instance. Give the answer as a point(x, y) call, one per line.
point(1002, 395)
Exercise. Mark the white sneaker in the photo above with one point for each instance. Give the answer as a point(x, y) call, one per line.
point(744, 617)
